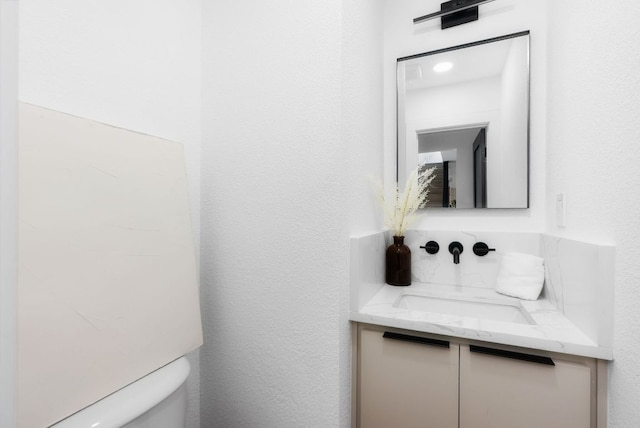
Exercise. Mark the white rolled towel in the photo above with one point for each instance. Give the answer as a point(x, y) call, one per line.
point(521, 275)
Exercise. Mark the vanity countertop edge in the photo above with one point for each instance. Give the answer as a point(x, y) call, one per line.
point(551, 332)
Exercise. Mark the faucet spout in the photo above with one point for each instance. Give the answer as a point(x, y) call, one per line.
point(456, 249)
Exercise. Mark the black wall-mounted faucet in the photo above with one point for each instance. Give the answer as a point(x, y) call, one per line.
point(456, 248)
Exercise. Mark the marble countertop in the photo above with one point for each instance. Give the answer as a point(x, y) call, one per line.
point(550, 330)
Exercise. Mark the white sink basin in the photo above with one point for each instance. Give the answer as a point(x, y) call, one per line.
point(474, 308)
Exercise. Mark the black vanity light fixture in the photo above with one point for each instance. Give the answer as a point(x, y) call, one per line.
point(455, 12)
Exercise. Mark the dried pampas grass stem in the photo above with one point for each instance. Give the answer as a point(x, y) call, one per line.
point(400, 209)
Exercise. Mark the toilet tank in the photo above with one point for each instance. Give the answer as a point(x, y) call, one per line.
point(158, 400)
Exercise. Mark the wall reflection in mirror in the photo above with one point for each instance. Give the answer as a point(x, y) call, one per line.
point(465, 112)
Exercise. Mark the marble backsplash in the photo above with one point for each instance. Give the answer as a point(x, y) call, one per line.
point(472, 271)
point(579, 280)
point(579, 276)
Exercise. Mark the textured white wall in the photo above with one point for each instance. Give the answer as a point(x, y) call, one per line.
point(291, 126)
point(593, 157)
point(134, 64)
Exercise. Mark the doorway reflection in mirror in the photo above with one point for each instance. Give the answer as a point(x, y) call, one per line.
point(460, 160)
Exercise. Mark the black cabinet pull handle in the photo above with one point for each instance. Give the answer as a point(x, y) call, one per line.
point(416, 339)
point(513, 355)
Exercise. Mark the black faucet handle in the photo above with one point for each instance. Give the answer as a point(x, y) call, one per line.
point(481, 249)
point(431, 247)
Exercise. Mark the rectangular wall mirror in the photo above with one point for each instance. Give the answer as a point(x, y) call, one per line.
point(464, 110)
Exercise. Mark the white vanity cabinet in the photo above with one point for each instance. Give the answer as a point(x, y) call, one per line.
point(410, 379)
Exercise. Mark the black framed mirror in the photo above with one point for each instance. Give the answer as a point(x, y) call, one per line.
point(464, 111)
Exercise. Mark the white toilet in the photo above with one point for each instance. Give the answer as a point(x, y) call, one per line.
point(158, 400)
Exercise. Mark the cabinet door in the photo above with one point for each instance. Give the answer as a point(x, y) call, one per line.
point(500, 389)
point(407, 381)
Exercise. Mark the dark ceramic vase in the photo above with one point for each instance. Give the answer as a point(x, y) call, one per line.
point(398, 263)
